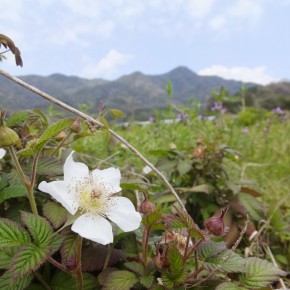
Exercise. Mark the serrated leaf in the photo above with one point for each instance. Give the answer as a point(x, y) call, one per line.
point(17, 118)
point(48, 166)
point(52, 131)
point(55, 243)
point(260, 273)
point(210, 249)
point(227, 261)
point(63, 281)
point(38, 227)
point(69, 248)
point(12, 191)
point(118, 280)
point(28, 259)
point(147, 281)
point(55, 213)
point(175, 262)
point(6, 255)
point(151, 219)
point(229, 286)
point(116, 114)
point(135, 267)
point(7, 283)
point(12, 234)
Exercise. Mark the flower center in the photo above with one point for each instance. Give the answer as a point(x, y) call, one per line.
point(91, 198)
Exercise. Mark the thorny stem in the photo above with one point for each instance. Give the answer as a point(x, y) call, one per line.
point(145, 240)
point(27, 183)
point(58, 265)
point(91, 120)
point(78, 271)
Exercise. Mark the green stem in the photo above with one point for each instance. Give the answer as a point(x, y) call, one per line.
point(145, 240)
point(41, 280)
point(78, 271)
point(108, 256)
point(25, 180)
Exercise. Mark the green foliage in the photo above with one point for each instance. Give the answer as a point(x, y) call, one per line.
point(260, 273)
point(12, 192)
point(7, 283)
point(29, 258)
point(55, 213)
point(117, 280)
point(52, 131)
point(39, 228)
point(12, 234)
point(63, 281)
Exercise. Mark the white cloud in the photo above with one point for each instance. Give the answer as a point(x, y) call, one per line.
point(249, 9)
point(200, 9)
point(106, 28)
point(89, 8)
point(217, 22)
point(108, 66)
point(237, 16)
point(257, 75)
point(10, 10)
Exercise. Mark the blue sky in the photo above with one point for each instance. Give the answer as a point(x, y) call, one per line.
point(236, 39)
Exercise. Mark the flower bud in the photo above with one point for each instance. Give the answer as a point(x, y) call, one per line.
point(76, 126)
point(216, 224)
point(146, 206)
point(60, 136)
point(8, 137)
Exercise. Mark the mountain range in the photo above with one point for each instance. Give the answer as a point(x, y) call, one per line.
point(133, 93)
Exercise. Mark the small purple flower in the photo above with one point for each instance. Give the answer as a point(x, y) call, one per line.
point(278, 111)
point(151, 119)
point(217, 106)
point(245, 130)
point(182, 117)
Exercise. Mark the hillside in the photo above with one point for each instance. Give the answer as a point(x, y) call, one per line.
point(130, 93)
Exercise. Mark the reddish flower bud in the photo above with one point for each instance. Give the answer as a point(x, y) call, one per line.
point(216, 224)
point(146, 206)
point(76, 126)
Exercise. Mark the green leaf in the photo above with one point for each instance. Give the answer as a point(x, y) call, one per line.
point(48, 166)
point(227, 261)
point(207, 250)
point(63, 281)
point(135, 267)
point(229, 286)
point(175, 262)
point(169, 88)
point(52, 131)
point(252, 205)
point(55, 213)
point(260, 273)
point(69, 248)
point(12, 234)
point(7, 283)
point(28, 259)
point(55, 243)
point(17, 118)
point(12, 191)
point(117, 280)
point(184, 166)
point(6, 255)
point(38, 227)
point(147, 281)
point(116, 114)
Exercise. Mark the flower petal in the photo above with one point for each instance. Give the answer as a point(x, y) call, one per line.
point(123, 214)
point(74, 171)
point(2, 153)
point(59, 191)
point(94, 228)
point(109, 179)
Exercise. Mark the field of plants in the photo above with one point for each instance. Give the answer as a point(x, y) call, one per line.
point(191, 199)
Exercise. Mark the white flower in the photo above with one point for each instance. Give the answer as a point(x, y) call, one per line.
point(93, 195)
point(2, 153)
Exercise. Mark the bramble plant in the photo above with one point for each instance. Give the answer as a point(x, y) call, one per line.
point(181, 223)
